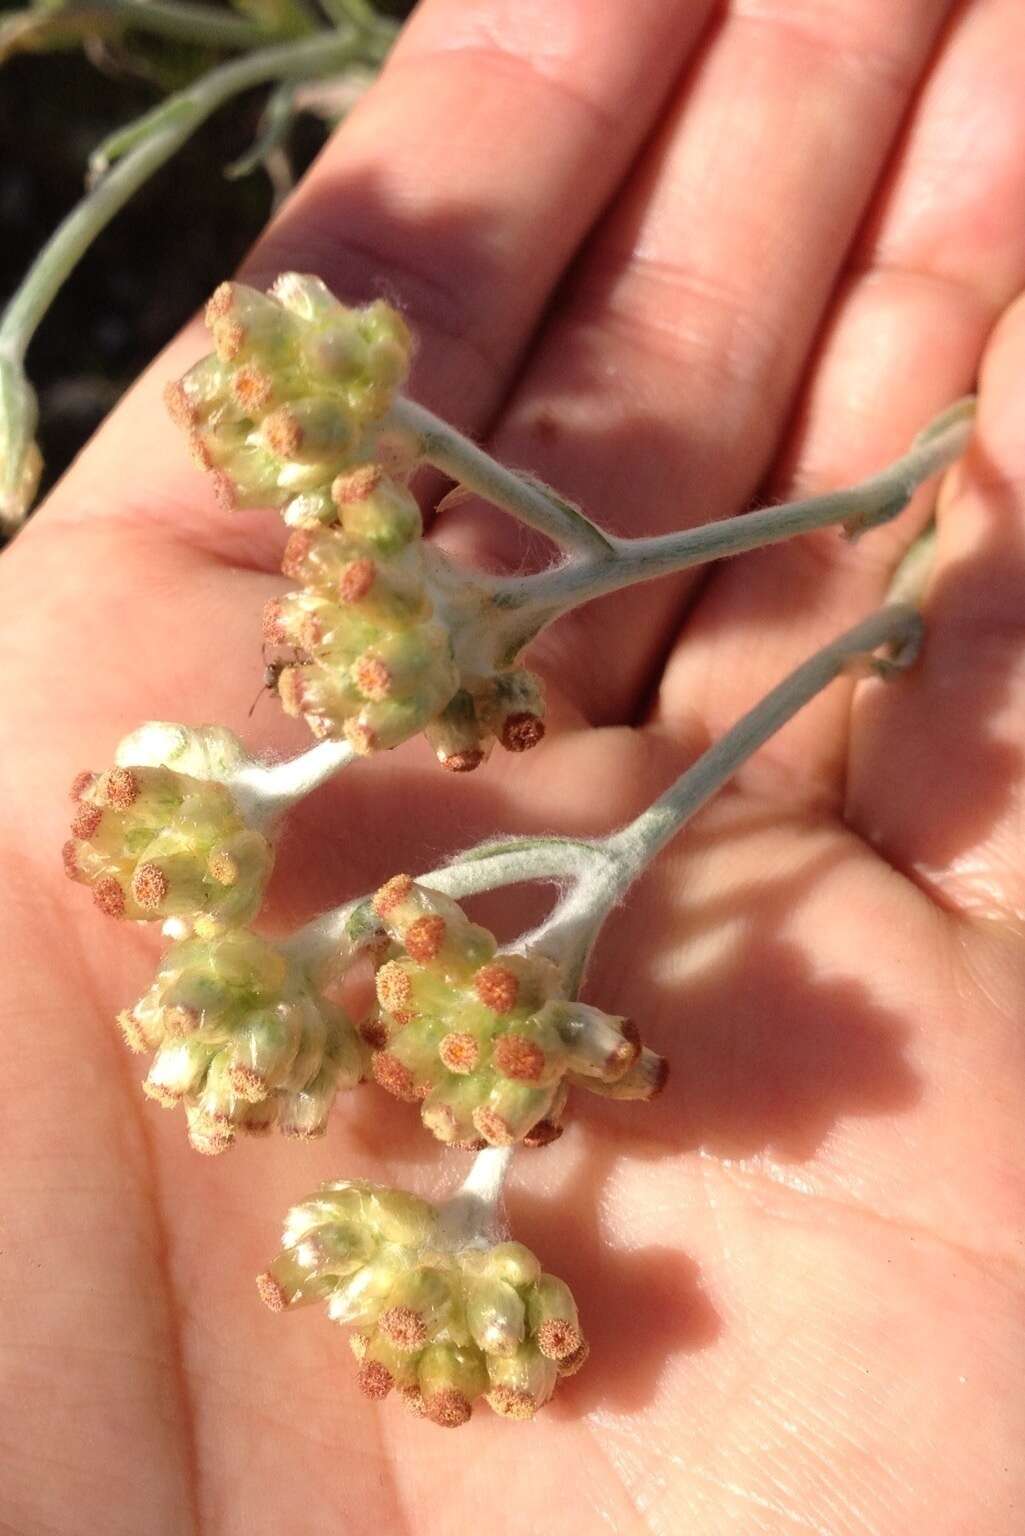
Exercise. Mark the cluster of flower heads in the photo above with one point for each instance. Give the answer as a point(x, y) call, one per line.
point(242, 1035)
point(291, 412)
point(242, 1040)
point(153, 844)
point(373, 661)
point(441, 1322)
point(292, 394)
point(484, 1041)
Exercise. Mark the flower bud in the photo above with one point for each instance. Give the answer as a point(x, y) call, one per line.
point(442, 1323)
point(242, 1041)
point(482, 1040)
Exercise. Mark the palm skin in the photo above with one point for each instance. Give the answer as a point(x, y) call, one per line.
point(800, 1269)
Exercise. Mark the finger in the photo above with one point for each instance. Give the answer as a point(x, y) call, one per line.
point(943, 252)
point(460, 188)
point(935, 777)
point(659, 390)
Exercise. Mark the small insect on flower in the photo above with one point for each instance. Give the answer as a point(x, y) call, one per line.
point(441, 1320)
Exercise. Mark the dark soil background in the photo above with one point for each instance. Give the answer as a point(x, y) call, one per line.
point(153, 265)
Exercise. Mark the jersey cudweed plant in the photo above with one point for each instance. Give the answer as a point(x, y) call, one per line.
point(300, 408)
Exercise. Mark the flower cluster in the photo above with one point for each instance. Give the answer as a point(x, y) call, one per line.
point(292, 394)
point(374, 660)
point(154, 843)
point(442, 1320)
point(242, 1040)
point(382, 640)
point(373, 663)
point(484, 1041)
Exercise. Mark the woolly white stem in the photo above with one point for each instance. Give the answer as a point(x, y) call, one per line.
point(532, 602)
point(528, 500)
point(474, 1212)
point(264, 791)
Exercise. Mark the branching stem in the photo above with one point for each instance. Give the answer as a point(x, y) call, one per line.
point(532, 602)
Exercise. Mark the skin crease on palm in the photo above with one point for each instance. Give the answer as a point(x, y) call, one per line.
point(669, 255)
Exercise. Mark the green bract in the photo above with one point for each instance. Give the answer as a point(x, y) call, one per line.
point(442, 1321)
point(242, 1040)
point(486, 1042)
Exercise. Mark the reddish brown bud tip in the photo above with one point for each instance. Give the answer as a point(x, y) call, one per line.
point(150, 886)
point(558, 1339)
point(119, 788)
point(661, 1077)
point(496, 1131)
point(109, 896)
point(372, 677)
point(356, 580)
point(543, 1134)
point(355, 484)
point(87, 820)
point(248, 1083)
point(223, 867)
point(394, 1076)
point(272, 1292)
point(199, 452)
point(404, 1327)
point(273, 626)
point(223, 487)
point(632, 1035)
point(219, 305)
point(361, 738)
point(462, 762)
point(282, 433)
point(414, 1400)
point(180, 1021)
point(497, 987)
point(448, 1408)
point(391, 895)
point(459, 1052)
point(296, 551)
point(135, 1036)
point(251, 388)
point(374, 1032)
point(424, 938)
point(394, 989)
point(573, 1362)
point(229, 339)
point(375, 1379)
point(516, 1056)
point(179, 407)
point(82, 782)
point(522, 731)
point(512, 1402)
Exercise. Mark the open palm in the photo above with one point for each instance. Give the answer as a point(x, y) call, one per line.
point(665, 253)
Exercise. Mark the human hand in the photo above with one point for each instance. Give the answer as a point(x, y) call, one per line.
point(664, 261)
